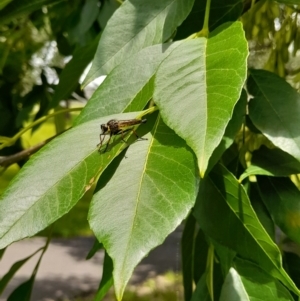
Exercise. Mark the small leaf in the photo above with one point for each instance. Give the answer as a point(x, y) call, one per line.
point(275, 110)
point(281, 197)
point(222, 198)
point(23, 291)
point(201, 291)
point(14, 268)
point(54, 179)
point(271, 162)
point(198, 85)
point(95, 248)
point(132, 28)
point(249, 282)
point(147, 197)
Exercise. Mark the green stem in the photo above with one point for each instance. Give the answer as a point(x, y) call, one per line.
point(205, 29)
point(10, 141)
point(148, 111)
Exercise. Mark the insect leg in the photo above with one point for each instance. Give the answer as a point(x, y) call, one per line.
point(137, 136)
point(102, 137)
point(107, 142)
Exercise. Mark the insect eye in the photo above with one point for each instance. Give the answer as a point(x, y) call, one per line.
point(104, 127)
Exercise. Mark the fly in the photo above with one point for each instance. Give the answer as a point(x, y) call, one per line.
point(118, 127)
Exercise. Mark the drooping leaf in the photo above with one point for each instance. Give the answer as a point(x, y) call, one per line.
point(249, 282)
point(14, 268)
point(223, 199)
point(271, 162)
point(118, 94)
point(149, 194)
point(107, 278)
point(134, 26)
point(16, 9)
point(54, 179)
point(23, 291)
point(187, 251)
point(95, 248)
point(281, 197)
point(198, 85)
point(275, 110)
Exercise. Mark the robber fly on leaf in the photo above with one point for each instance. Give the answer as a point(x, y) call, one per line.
point(118, 127)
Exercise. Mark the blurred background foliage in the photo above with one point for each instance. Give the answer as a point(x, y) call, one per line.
point(46, 46)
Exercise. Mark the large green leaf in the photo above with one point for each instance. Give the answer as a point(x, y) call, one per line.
point(271, 162)
point(281, 197)
point(198, 85)
point(275, 110)
point(54, 179)
point(249, 282)
point(118, 94)
point(224, 212)
point(150, 193)
point(17, 8)
point(134, 26)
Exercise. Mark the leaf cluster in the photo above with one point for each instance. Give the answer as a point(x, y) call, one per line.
point(220, 149)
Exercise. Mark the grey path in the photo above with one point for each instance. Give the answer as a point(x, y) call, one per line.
point(65, 272)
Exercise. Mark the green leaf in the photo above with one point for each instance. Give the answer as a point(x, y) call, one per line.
point(23, 291)
point(271, 162)
point(232, 128)
point(198, 85)
point(289, 2)
point(118, 94)
point(201, 291)
point(95, 248)
point(134, 26)
point(223, 199)
point(54, 179)
point(187, 250)
point(3, 3)
point(14, 268)
point(261, 211)
point(200, 255)
point(275, 110)
point(281, 197)
point(249, 282)
point(17, 8)
point(107, 278)
point(292, 264)
point(69, 78)
point(149, 194)
point(221, 11)
point(106, 11)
